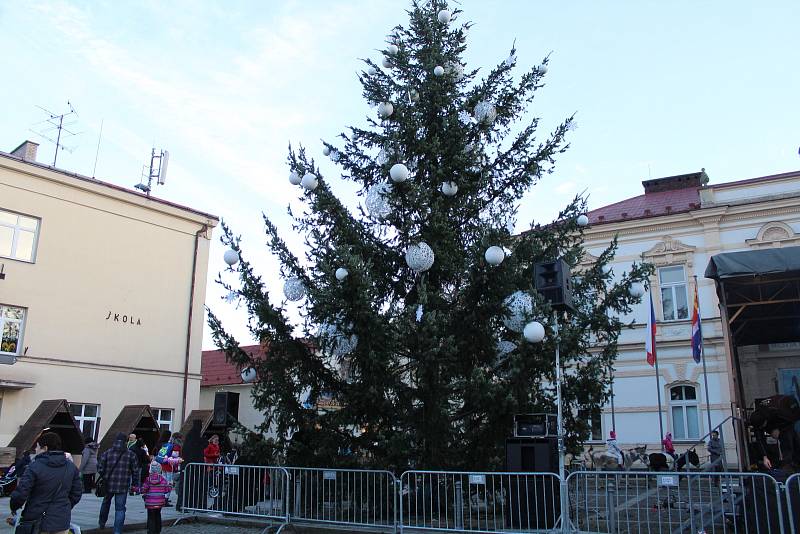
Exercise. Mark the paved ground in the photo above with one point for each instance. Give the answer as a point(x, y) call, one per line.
point(87, 511)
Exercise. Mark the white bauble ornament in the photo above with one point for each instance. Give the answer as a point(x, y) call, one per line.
point(444, 16)
point(637, 290)
point(326, 150)
point(505, 347)
point(398, 173)
point(485, 112)
point(414, 95)
point(494, 255)
point(392, 49)
point(385, 110)
point(419, 257)
point(231, 257)
point(341, 273)
point(309, 182)
point(377, 201)
point(519, 305)
point(294, 178)
point(386, 63)
point(372, 71)
point(542, 69)
point(449, 189)
point(293, 289)
point(534, 332)
point(583, 220)
point(438, 70)
point(248, 375)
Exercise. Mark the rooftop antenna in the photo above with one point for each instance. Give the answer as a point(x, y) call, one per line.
point(158, 170)
point(56, 123)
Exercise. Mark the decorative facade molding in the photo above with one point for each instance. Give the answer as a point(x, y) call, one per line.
point(670, 251)
point(774, 234)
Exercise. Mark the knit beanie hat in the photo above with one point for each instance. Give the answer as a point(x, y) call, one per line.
point(155, 467)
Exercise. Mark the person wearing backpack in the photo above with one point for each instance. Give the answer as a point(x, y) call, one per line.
point(49, 489)
point(119, 469)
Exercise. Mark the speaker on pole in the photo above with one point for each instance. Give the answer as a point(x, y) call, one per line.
point(552, 281)
point(226, 403)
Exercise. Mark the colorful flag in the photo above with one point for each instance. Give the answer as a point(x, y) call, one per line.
point(650, 341)
point(697, 329)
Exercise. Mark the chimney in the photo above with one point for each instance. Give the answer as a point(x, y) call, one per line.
point(26, 151)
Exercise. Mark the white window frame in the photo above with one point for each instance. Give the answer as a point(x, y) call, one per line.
point(17, 229)
point(4, 320)
point(157, 413)
point(674, 288)
point(80, 419)
point(683, 404)
point(588, 418)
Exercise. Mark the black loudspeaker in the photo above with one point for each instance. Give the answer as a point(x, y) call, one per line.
point(552, 281)
point(535, 425)
point(226, 403)
point(534, 500)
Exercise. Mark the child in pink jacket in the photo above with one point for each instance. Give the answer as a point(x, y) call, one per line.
point(155, 489)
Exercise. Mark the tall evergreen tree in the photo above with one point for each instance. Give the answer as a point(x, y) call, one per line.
point(409, 334)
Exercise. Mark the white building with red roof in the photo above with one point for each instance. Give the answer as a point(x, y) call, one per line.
point(752, 342)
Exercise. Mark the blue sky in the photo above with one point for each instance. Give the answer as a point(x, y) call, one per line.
point(659, 88)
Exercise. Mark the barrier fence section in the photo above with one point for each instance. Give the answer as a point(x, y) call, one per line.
point(629, 502)
point(479, 502)
point(793, 502)
point(359, 498)
point(241, 490)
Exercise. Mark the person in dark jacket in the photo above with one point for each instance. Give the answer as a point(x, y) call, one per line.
point(119, 467)
point(50, 487)
point(143, 458)
point(89, 463)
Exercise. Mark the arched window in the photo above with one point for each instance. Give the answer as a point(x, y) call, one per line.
point(685, 412)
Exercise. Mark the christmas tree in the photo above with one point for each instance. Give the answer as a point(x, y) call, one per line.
point(412, 349)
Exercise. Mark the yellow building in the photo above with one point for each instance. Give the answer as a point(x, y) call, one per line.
point(101, 297)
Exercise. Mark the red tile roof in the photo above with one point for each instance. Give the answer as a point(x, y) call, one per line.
point(648, 205)
point(217, 371)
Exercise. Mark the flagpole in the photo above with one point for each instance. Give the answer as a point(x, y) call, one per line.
point(703, 356)
point(658, 379)
point(660, 415)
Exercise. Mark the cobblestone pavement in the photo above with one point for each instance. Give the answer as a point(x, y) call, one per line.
point(204, 528)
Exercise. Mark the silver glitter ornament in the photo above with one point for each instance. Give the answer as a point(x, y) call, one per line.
point(293, 289)
point(419, 257)
point(465, 118)
point(456, 70)
point(519, 306)
point(385, 110)
point(485, 112)
point(383, 157)
point(294, 178)
point(377, 201)
point(337, 343)
point(505, 347)
point(449, 189)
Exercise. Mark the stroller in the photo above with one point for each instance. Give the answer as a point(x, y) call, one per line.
point(9, 481)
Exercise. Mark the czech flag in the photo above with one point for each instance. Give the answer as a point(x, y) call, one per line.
point(650, 341)
point(697, 329)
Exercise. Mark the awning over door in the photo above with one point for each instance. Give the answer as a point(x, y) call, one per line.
point(760, 291)
point(750, 263)
point(52, 415)
point(133, 419)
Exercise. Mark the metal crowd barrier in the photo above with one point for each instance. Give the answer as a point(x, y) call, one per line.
point(358, 498)
point(793, 502)
point(239, 490)
point(707, 503)
point(479, 502)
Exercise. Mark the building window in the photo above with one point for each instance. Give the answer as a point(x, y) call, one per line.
point(87, 418)
point(18, 236)
point(685, 412)
point(594, 423)
point(163, 418)
point(12, 321)
point(674, 301)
